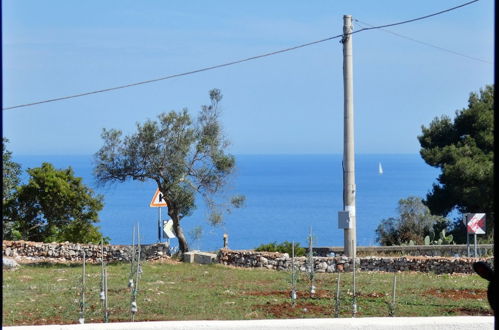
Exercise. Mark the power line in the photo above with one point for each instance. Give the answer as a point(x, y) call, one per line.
point(426, 43)
point(176, 75)
point(416, 19)
point(235, 62)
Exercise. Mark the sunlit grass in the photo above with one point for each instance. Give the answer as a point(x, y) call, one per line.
point(49, 294)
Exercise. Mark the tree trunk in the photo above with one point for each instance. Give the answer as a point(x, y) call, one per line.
point(182, 241)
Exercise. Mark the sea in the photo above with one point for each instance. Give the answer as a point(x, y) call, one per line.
point(287, 198)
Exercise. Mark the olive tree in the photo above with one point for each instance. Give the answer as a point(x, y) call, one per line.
point(186, 158)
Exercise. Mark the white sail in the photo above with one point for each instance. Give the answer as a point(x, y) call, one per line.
point(380, 169)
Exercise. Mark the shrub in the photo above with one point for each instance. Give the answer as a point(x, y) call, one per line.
point(284, 247)
point(413, 224)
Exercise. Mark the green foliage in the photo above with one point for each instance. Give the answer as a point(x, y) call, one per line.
point(284, 247)
point(54, 206)
point(11, 173)
point(442, 240)
point(186, 158)
point(11, 178)
point(414, 223)
point(463, 148)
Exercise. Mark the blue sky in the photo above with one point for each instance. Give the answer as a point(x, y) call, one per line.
point(291, 103)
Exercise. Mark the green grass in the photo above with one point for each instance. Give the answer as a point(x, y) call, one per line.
point(49, 294)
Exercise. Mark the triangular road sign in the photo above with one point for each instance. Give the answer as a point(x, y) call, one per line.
point(157, 200)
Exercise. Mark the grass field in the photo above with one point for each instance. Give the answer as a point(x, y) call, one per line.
point(50, 294)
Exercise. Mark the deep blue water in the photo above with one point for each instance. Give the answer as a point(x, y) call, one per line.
point(286, 195)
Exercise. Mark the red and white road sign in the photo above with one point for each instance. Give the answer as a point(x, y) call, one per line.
point(158, 200)
point(476, 223)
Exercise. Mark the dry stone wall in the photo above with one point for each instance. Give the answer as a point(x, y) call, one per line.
point(24, 251)
point(73, 252)
point(453, 250)
point(282, 261)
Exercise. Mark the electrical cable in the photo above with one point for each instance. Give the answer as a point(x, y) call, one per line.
point(234, 62)
point(416, 19)
point(425, 43)
point(176, 75)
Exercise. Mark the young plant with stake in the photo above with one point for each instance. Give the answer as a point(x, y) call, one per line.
point(311, 268)
point(392, 305)
point(81, 320)
point(132, 261)
point(337, 304)
point(354, 297)
point(137, 271)
point(103, 288)
point(293, 275)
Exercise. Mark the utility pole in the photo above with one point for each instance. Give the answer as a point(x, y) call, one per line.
point(347, 218)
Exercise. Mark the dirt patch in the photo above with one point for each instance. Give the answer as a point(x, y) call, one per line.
point(456, 294)
point(372, 295)
point(299, 310)
point(319, 294)
point(165, 260)
point(471, 311)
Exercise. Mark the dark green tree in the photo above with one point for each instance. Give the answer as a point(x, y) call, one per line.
point(11, 172)
point(54, 206)
point(463, 148)
point(413, 223)
point(185, 158)
point(11, 178)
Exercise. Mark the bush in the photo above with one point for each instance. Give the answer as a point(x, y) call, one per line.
point(413, 224)
point(284, 247)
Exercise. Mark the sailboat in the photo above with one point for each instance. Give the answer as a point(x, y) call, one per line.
point(380, 169)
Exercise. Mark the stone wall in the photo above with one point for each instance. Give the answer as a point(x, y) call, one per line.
point(73, 252)
point(282, 261)
point(410, 250)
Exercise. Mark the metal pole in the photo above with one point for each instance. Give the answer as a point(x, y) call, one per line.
point(159, 225)
point(467, 235)
point(475, 245)
point(348, 140)
point(468, 244)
